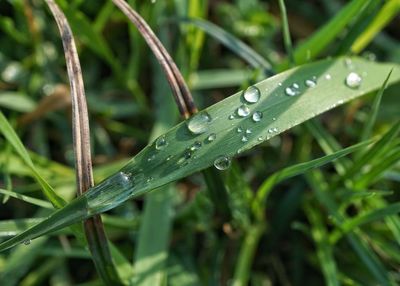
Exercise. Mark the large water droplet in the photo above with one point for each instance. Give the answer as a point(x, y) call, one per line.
point(161, 142)
point(353, 80)
point(198, 124)
point(243, 110)
point(252, 94)
point(222, 163)
point(257, 116)
point(211, 137)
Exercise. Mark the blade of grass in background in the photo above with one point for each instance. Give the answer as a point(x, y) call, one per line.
point(151, 251)
point(132, 180)
point(231, 42)
point(390, 9)
point(315, 45)
point(287, 39)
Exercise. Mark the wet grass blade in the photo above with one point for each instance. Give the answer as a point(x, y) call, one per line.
point(172, 161)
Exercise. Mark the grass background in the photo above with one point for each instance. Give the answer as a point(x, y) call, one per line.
point(334, 225)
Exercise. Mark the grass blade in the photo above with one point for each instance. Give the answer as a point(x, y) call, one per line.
point(286, 33)
point(367, 131)
point(385, 15)
point(94, 231)
point(132, 180)
point(34, 201)
point(237, 46)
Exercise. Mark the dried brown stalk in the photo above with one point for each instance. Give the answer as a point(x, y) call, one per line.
point(94, 229)
point(178, 85)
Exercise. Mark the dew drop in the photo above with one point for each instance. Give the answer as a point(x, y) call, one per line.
point(231, 117)
point(280, 84)
point(328, 77)
point(211, 137)
point(239, 130)
point(169, 158)
point(310, 83)
point(243, 110)
point(248, 131)
point(196, 146)
point(257, 116)
point(222, 163)
point(149, 179)
point(244, 138)
point(275, 129)
point(270, 131)
point(252, 94)
point(273, 118)
point(27, 242)
point(260, 138)
point(292, 90)
point(161, 143)
point(151, 158)
point(353, 80)
point(198, 124)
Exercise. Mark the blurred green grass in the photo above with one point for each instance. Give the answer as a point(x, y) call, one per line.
point(299, 240)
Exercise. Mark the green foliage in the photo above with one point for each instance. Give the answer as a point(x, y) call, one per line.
point(295, 207)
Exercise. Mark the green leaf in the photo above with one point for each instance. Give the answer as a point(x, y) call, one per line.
point(175, 161)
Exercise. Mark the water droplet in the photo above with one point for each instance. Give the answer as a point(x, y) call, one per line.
point(280, 84)
point(252, 94)
point(248, 131)
point(27, 242)
point(244, 138)
point(348, 63)
point(231, 117)
point(273, 118)
point(340, 101)
point(151, 157)
point(243, 110)
point(222, 163)
point(260, 138)
point(353, 80)
point(126, 177)
point(169, 158)
point(211, 137)
point(275, 129)
point(161, 142)
point(198, 124)
point(310, 83)
point(196, 146)
point(270, 131)
point(257, 116)
point(328, 77)
point(149, 179)
point(292, 90)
